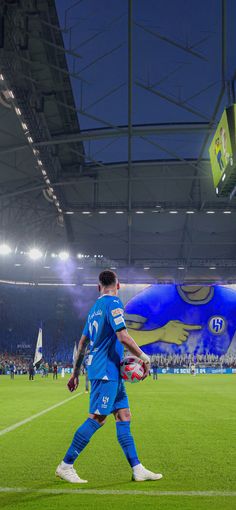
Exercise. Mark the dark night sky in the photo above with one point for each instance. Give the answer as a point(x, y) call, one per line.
point(98, 27)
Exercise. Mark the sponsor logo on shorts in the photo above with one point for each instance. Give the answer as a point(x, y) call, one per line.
point(117, 311)
point(119, 320)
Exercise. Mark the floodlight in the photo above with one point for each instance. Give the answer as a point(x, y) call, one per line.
point(5, 249)
point(64, 255)
point(35, 254)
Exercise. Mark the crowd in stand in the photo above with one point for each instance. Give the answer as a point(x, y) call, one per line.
point(17, 364)
point(186, 360)
point(13, 362)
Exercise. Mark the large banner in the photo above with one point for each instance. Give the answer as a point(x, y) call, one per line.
point(178, 319)
point(221, 154)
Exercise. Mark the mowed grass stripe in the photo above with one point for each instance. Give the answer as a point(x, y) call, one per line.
point(104, 492)
point(37, 415)
point(21, 398)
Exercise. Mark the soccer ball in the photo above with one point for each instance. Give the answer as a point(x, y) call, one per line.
point(131, 369)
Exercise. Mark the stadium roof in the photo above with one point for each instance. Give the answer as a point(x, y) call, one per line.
point(105, 119)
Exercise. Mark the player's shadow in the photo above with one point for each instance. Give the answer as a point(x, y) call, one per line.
point(61, 485)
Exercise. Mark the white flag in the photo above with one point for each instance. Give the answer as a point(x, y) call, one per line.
point(74, 353)
point(39, 349)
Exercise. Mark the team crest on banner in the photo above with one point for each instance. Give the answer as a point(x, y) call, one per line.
point(217, 325)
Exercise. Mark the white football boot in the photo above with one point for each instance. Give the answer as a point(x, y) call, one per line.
point(141, 474)
point(68, 473)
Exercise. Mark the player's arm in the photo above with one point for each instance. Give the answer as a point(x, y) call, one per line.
point(74, 379)
point(129, 343)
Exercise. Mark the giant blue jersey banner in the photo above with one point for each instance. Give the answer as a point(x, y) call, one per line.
point(183, 319)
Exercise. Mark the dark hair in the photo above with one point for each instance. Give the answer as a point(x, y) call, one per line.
point(107, 278)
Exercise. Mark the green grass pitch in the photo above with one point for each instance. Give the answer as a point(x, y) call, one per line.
point(184, 427)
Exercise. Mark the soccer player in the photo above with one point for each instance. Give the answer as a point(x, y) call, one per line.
point(12, 369)
point(154, 370)
point(31, 371)
point(54, 368)
point(106, 332)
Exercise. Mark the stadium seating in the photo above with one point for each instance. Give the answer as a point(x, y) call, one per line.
point(23, 309)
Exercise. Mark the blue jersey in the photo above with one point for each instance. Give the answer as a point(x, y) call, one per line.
point(105, 319)
point(159, 304)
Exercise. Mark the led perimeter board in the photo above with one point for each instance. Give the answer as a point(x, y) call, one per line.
point(223, 153)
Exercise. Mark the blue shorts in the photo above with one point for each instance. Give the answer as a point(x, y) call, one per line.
point(107, 397)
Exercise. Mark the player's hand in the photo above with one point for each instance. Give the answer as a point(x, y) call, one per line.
point(146, 367)
point(73, 383)
point(177, 332)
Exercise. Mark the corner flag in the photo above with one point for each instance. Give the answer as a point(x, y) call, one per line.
point(38, 351)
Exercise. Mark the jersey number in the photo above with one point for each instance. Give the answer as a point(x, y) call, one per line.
point(93, 325)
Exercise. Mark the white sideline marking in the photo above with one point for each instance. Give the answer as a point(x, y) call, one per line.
point(104, 492)
point(34, 416)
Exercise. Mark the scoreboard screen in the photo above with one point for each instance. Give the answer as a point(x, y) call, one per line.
point(222, 154)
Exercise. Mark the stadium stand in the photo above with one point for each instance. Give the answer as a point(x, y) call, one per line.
point(21, 312)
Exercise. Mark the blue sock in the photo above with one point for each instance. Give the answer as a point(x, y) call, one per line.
point(126, 441)
point(81, 439)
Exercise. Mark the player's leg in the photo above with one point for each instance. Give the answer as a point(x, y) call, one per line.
point(102, 397)
point(125, 438)
point(82, 436)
